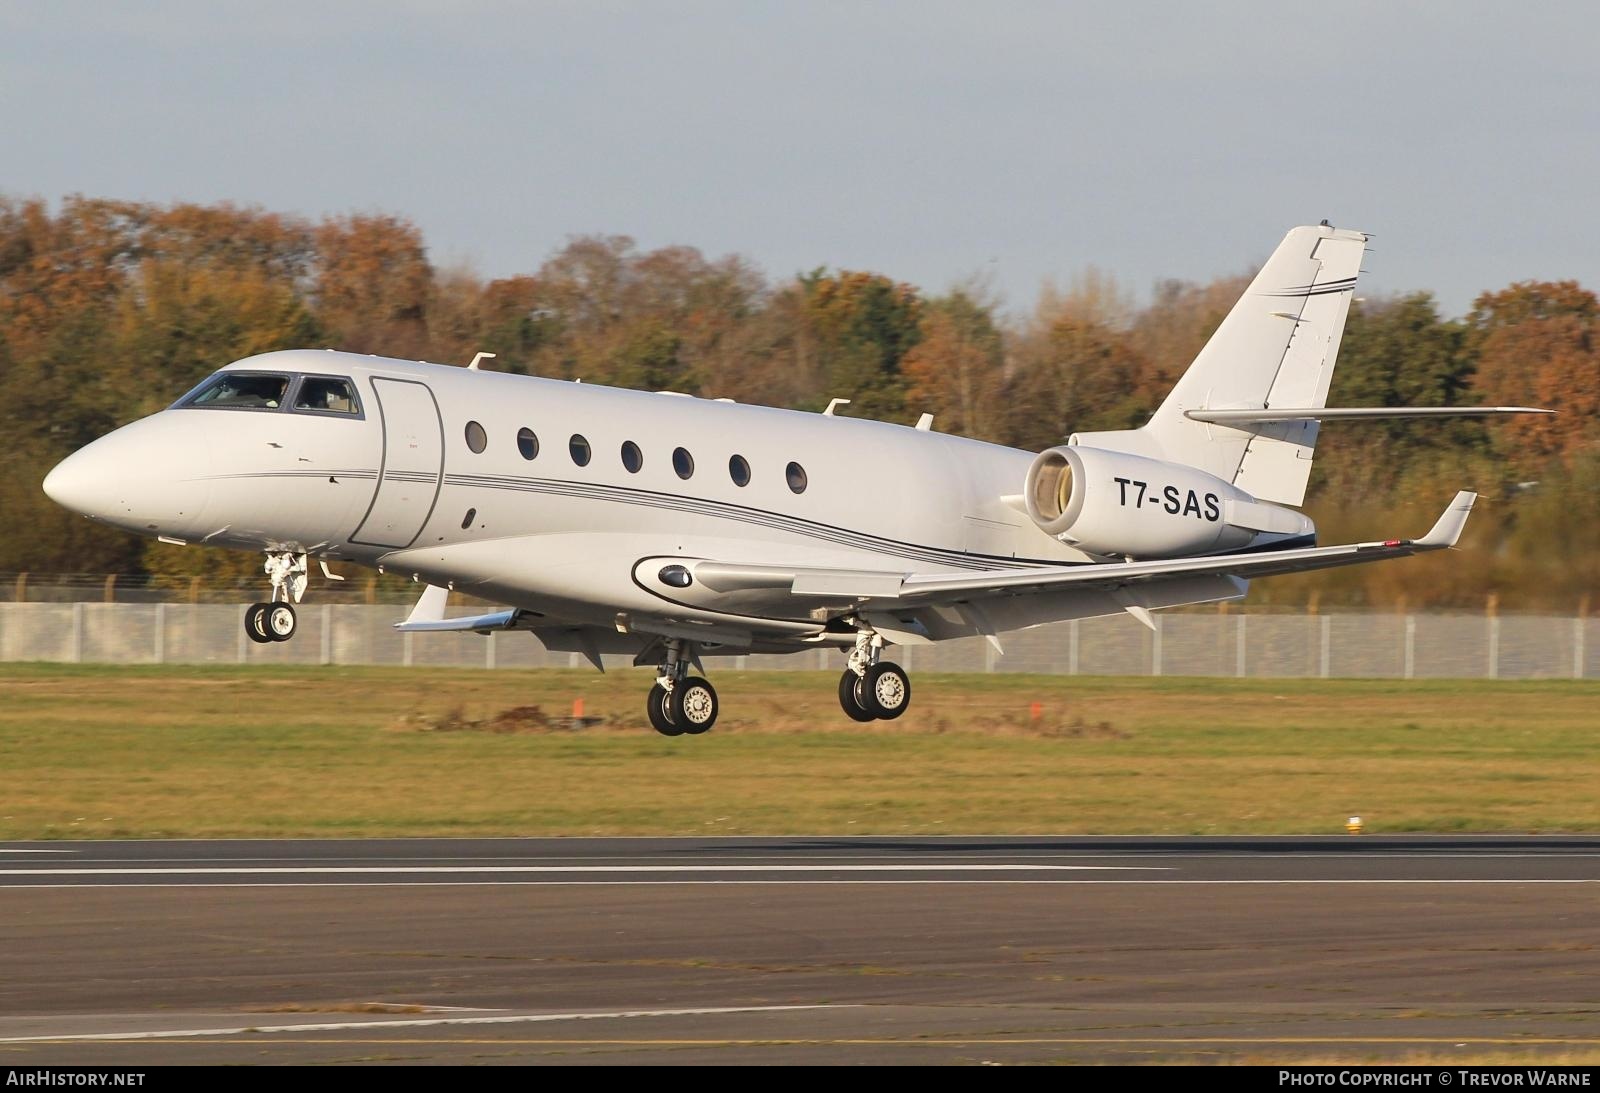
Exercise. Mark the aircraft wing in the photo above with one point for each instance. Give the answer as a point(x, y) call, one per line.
point(1445, 533)
point(784, 606)
point(918, 589)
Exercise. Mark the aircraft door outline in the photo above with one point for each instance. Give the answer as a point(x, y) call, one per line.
point(412, 471)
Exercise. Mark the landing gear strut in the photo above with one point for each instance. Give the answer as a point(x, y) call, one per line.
point(680, 703)
point(275, 620)
point(873, 689)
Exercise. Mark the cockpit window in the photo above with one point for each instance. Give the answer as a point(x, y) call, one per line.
point(239, 391)
point(327, 395)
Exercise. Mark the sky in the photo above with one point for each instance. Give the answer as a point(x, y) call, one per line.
point(935, 142)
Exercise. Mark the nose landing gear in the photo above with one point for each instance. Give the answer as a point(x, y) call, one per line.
point(275, 619)
point(266, 622)
point(680, 703)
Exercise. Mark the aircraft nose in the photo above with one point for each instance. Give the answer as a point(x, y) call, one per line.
point(142, 477)
point(82, 482)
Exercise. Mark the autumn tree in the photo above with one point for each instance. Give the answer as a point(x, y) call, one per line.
point(371, 285)
point(1077, 368)
point(956, 371)
point(601, 310)
point(1180, 319)
point(1538, 344)
point(1395, 352)
point(110, 309)
point(855, 331)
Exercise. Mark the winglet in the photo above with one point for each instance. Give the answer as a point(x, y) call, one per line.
point(1447, 529)
point(430, 606)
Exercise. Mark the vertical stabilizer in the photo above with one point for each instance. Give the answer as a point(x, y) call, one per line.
point(1277, 347)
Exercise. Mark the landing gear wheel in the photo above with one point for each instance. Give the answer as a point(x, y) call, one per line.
point(255, 623)
point(886, 691)
point(281, 621)
point(850, 698)
point(694, 705)
point(659, 707)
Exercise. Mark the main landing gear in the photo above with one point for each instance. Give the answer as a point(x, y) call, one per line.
point(275, 619)
point(680, 703)
point(872, 689)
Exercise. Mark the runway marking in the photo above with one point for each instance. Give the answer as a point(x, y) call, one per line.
point(361, 870)
point(950, 856)
point(792, 882)
point(337, 1026)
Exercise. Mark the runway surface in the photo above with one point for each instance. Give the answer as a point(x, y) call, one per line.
point(825, 949)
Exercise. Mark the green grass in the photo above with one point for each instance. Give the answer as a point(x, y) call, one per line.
point(120, 752)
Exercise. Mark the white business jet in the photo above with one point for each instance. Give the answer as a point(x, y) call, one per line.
point(670, 527)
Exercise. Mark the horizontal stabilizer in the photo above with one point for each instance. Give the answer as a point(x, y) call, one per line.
point(1331, 413)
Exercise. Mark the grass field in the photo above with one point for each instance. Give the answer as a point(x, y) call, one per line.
point(118, 752)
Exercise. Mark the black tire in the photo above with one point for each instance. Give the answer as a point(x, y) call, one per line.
point(659, 708)
point(886, 691)
point(694, 705)
point(850, 698)
point(281, 622)
point(255, 623)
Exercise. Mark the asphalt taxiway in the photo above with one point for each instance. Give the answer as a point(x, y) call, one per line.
point(826, 949)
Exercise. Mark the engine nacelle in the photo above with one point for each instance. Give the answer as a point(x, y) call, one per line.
point(1117, 504)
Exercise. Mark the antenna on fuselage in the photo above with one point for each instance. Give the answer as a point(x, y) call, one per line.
point(479, 359)
point(834, 404)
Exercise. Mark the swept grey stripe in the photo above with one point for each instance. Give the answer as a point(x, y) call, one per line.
point(744, 514)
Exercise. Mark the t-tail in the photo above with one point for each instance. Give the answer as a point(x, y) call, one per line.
point(1249, 407)
point(1277, 347)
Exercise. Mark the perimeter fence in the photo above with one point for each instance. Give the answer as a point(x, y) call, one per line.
point(1242, 644)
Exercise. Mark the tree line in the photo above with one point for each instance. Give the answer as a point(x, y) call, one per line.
point(110, 309)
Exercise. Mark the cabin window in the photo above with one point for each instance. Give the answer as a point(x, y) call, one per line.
point(239, 391)
point(326, 395)
point(477, 439)
point(579, 447)
point(739, 471)
point(683, 463)
point(632, 457)
point(527, 443)
point(796, 474)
